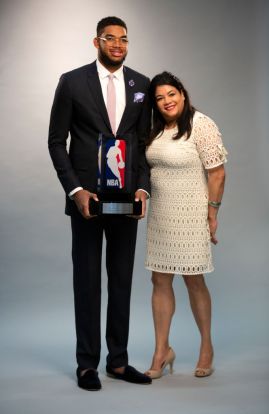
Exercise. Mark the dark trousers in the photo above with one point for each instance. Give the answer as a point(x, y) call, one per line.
point(87, 238)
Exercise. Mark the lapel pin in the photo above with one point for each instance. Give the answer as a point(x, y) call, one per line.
point(131, 83)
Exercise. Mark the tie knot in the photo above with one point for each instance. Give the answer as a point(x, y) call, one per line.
point(111, 76)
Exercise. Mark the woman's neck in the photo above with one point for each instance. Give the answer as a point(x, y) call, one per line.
point(170, 125)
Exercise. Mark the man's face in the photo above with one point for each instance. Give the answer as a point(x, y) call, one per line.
point(112, 46)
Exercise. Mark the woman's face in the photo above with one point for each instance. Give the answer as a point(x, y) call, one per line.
point(169, 101)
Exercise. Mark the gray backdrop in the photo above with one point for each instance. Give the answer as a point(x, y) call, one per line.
point(220, 51)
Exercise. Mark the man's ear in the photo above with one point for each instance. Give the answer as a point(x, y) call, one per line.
point(96, 43)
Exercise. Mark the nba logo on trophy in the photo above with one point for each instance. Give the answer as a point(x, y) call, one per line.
point(115, 163)
point(111, 163)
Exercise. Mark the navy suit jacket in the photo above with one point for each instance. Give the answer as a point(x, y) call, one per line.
point(79, 109)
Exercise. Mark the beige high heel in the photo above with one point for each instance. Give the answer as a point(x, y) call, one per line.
point(203, 372)
point(169, 360)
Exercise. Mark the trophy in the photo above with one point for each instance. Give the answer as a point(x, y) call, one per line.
point(114, 181)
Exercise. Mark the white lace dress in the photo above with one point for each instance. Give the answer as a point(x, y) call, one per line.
point(178, 237)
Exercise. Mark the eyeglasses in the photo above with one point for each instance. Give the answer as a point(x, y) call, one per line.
point(111, 40)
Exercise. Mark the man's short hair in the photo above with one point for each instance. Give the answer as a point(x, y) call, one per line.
point(109, 21)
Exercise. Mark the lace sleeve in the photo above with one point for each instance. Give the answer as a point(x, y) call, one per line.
point(209, 143)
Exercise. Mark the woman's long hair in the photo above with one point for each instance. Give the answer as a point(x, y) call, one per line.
point(184, 122)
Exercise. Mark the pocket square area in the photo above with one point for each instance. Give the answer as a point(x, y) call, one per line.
point(139, 97)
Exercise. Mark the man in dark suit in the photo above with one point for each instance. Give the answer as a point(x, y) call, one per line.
point(84, 108)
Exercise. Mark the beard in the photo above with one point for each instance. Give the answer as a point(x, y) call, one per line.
point(109, 62)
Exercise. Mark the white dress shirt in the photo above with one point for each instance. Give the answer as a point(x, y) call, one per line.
point(119, 83)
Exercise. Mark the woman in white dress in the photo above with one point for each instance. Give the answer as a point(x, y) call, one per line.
point(186, 157)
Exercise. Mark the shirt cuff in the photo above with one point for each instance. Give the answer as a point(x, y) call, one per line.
point(74, 192)
point(141, 189)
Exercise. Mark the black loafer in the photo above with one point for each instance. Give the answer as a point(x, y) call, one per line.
point(89, 381)
point(130, 375)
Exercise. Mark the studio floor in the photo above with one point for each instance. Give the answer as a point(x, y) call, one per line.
point(38, 374)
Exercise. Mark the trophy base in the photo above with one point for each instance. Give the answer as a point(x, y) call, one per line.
point(115, 207)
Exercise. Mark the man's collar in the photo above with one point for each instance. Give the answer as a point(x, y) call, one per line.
point(104, 72)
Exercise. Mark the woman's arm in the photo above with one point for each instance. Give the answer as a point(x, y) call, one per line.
point(216, 180)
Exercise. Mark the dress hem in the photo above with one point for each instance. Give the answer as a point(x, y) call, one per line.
point(177, 273)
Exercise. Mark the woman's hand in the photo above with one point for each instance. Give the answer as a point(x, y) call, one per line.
point(216, 180)
point(213, 225)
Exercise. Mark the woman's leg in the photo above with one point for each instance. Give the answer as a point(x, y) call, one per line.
point(200, 302)
point(163, 308)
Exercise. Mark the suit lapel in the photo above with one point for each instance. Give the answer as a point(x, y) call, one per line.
point(97, 94)
point(129, 98)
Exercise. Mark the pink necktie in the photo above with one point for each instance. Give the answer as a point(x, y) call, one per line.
point(111, 103)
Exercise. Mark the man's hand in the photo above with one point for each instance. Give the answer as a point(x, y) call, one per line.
point(141, 195)
point(82, 198)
